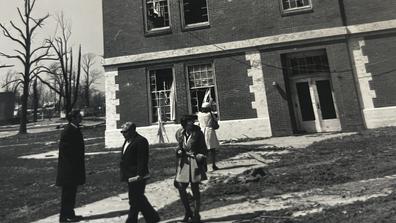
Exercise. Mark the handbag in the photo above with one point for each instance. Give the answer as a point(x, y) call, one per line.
point(214, 124)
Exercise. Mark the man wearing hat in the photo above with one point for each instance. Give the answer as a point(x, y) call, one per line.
point(134, 170)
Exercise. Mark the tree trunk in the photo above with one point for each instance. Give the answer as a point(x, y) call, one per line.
point(35, 100)
point(87, 96)
point(23, 118)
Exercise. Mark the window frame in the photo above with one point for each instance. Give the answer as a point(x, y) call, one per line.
point(187, 79)
point(200, 25)
point(307, 8)
point(161, 67)
point(156, 31)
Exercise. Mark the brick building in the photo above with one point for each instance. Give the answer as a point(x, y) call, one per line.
point(272, 67)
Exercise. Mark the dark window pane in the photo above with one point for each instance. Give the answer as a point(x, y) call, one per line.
point(304, 98)
point(195, 11)
point(326, 99)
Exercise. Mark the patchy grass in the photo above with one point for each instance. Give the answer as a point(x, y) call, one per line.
point(27, 188)
point(367, 155)
point(28, 191)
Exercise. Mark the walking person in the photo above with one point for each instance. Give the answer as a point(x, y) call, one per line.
point(71, 166)
point(134, 170)
point(206, 120)
point(191, 169)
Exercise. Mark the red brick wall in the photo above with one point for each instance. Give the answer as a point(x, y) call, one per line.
point(230, 20)
point(381, 53)
point(344, 87)
point(235, 99)
point(278, 109)
point(364, 11)
point(181, 91)
point(133, 95)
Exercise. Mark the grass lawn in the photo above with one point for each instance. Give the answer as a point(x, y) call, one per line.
point(28, 192)
point(27, 185)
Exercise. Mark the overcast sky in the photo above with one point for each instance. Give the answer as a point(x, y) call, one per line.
point(84, 15)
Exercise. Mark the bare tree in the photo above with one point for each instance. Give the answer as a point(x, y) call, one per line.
point(11, 82)
point(65, 73)
point(27, 54)
point(91, 75)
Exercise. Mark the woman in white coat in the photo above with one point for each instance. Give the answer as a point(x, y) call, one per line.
point(206, 118)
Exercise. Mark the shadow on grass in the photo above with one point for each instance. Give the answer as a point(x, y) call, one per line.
point(112, 214)
point(236, 166)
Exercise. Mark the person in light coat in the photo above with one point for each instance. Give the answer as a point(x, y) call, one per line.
point(205, 119)
point(191, 169)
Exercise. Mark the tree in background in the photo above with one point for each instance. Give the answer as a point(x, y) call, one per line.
point(91, 75)
point(26, 54)
point(11, 82)
point(67, 74)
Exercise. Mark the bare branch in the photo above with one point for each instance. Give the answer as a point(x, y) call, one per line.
point(5, 66)
point(21, 16)
point(7, 34)
point(50, 86)
point(39, 23)
point(12, 57)
point(19, 30)
point(11, 82)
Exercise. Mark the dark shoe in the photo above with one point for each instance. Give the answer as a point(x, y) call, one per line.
point(71, 219)
point(196, 218)
point(79, 217)
point(155, 220)
point(187, 217)
point(214, 167)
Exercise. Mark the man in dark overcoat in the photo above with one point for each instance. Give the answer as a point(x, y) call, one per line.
point(71, 166)
point(135, 171)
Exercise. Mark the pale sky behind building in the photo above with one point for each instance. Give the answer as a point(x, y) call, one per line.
point(85, 17)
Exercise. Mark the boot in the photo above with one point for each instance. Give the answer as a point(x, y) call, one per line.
point(197, 218)
point(188, 212)
point(213, 156)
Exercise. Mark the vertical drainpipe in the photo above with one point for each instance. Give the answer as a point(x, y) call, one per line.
point(344, 21)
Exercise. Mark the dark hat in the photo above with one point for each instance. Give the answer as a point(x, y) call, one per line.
point(128, 126)
point(190, 117)
point(185, 118)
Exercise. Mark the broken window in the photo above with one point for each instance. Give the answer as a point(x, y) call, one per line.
point(288, 5)
point(202, 86)
point(157, 14)
point(195, 12)
point(162, 91)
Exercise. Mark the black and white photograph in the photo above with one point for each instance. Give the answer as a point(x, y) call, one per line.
point(262, 111)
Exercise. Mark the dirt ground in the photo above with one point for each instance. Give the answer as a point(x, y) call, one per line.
point(344, 179)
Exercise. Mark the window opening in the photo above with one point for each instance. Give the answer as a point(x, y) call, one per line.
point(202, 86)
point(309, 64)
point(295, 4)
point(162, 95)
point(195, 11)
point(157, 13)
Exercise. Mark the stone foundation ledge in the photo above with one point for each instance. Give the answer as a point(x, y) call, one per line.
point(232, 129)
point(380, 117)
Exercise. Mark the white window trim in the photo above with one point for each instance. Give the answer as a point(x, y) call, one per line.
point(194, 25)
point(189, 87)
point(298, 9)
